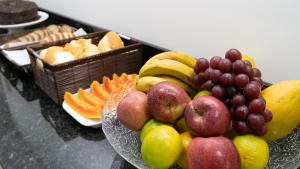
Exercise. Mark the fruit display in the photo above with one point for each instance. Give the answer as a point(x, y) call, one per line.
point(283, 99)
point(89, 104)
point(228, 122)
point(238, 84)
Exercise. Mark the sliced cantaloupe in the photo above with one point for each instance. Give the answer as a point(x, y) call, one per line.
point(108, 85)
point(89, 98)
point(98, 91)
point(82, 108)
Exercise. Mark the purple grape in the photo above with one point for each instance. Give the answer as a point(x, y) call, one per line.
point(251, 91)
point(241, 112)
point(257, 106)
point(201, 65)
point(267, 115)
point(260, 131)
point(197, 81)
point(233, 55)
point(241, 127)
point(238, 100)
point(231, 110)
point(218, 91)
point(215, 75)
point(214, 62)
point(225, 65)
point(230, 91)
point(241, 80)
point(206, 74)
point(255, 121)
point(262, 98)
point(248, 71)
point(226, 79)
point(259, 80)
point(256, 72)
point(208, 85)
point(239, 67)
point(247, 63)
point(226, 101)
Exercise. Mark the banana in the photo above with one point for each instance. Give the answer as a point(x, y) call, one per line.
point(173, 55)
point(283, 100)
point(168, 67)
point(145, 83)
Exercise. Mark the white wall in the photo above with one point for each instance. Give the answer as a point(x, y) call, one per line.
point(268, 30)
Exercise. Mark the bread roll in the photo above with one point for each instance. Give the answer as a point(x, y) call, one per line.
point(110, 41)
point(56, 55)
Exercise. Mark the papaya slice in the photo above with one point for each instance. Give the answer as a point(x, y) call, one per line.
point(98, 91)
point(89, 98)
point(108, 85)
point(82, 108)
point(124, 77)
point(117, 80)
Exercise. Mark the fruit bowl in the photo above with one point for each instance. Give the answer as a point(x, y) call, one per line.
point(284, 153)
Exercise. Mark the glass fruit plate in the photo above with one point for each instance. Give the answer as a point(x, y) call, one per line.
point(284, 153)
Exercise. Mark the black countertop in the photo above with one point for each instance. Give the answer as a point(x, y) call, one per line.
point(37, 133)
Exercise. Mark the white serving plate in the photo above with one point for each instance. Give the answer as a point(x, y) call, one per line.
point(43, 16)
point(80, 119)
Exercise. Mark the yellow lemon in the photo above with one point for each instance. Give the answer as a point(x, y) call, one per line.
point(161, 147)
point(253, 150)
point(250, 59)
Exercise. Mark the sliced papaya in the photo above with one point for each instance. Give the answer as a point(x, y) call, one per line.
point(124, 77)
point(98, 91)
point(117, 80)
point(108, 85)
point(89, 98)
point(82, 108)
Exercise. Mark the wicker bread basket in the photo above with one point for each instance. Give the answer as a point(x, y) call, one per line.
point(55, 80)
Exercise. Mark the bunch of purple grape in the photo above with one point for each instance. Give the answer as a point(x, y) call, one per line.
point(238, 85)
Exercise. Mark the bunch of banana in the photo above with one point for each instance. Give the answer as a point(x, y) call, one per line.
point(176, 67)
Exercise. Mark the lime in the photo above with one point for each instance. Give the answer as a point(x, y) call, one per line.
point(151, 124)
point(161, 147)
point(253, 150)
point(181, 126)
point(202, 93)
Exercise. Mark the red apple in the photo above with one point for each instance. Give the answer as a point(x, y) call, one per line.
point(167, 101)
point(207, 116)
point(132, 110)
point(213, 153)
